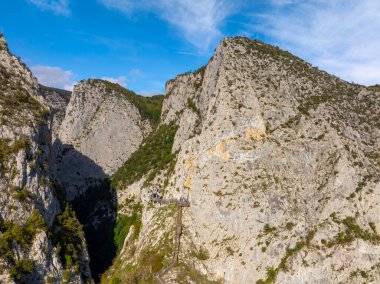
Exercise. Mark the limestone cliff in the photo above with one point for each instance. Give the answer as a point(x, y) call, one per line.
point(103, 124)
point(280, 162)
point(281, 165)
point(35, 246)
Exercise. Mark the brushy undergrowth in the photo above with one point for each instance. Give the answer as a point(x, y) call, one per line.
point(124, 224)
point(154, 155)
point(22, 235)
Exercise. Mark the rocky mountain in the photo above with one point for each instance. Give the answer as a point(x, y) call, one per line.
point(279, 161)
point(281, 165)
point(41, 241)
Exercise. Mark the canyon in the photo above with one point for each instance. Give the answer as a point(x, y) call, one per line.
point(279, 161)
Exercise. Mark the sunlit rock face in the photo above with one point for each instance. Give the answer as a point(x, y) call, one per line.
point(103, 127)
point(281, 165)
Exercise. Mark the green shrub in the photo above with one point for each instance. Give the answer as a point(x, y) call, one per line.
point(22, 194)
point(35, 222)
point(202, 254)
point(115, 280)
point(312, 102)
point(7, 149)
point(375, 88)
point(123, 225)
point(289, 226)
point(273, 272)
point(121, 230)
point(354, 231)
point(68, 237)
point(193, 107)
point(18, 106)
point(230, 251)
point(21, 268)
point(23, 235)
point(21, 144)
point(268, 229)
point(373, 227)
point(66, 275)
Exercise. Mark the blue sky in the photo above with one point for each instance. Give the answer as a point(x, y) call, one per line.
point(142, 44)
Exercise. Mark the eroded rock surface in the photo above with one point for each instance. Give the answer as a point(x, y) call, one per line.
point(281, 165)
point(31, 250)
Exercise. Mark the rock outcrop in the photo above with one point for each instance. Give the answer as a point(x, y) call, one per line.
point(33, 246)
point(281, 165)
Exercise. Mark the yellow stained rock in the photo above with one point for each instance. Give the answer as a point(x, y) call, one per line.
point(187, 183)
point(254, 133)
point(190, 164)
point(220, 150)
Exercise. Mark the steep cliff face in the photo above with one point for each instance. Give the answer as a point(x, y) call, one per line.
point(281, 165)
point(31, 247)
point(103, 124)
point(57, 101)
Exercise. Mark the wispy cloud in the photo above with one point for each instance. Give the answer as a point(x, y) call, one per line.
point(58, 7)
point(281, 2)
point(121, 80)
point(199, 22)
point(54, 77)
point(339, 36)
point(187, 53)
point(135, 73)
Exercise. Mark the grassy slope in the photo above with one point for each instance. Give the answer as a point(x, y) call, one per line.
point(154, 155)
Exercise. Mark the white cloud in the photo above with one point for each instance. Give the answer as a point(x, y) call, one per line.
point(339, 36)
point(135, 73)
point(121, 80)
point(53, 77)
point(199, 22)
point(69, 87)
point(58, 7)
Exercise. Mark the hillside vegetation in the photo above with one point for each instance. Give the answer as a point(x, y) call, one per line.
point(154, 155)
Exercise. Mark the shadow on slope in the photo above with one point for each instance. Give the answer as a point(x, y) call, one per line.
point(96, 210)
point(89, 192)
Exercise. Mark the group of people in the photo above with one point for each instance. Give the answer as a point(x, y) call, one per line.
point(155, 193)
point(183, 199)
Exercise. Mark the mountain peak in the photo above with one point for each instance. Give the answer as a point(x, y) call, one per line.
point(3, 43)
point(243, 45)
